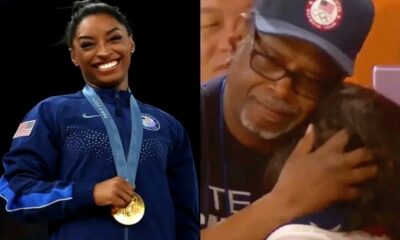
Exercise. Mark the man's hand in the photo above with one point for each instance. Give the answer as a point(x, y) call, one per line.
point(310, 181)
point(115, 191)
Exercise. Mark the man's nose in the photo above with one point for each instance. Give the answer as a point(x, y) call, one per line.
point(283, 87)
point(232, 36)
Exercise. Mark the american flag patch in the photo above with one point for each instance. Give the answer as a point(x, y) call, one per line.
point(24, 129)
point(326, 6)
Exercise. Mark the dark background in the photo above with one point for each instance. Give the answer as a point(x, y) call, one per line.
point(164, 70)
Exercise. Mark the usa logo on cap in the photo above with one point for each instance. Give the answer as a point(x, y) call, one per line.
point(324, 15)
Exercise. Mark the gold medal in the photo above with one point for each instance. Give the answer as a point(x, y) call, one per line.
point(132, 214)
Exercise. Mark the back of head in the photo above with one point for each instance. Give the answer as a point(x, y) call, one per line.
point(373, 122)
point(338, 27)
point(84, 8)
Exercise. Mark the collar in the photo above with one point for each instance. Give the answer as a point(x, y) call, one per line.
point(110, 95)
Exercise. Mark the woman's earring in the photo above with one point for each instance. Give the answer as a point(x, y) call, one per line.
point(132, 49)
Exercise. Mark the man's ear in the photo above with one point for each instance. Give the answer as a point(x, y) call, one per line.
point(73, 57)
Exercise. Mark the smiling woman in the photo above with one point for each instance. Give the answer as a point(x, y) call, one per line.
point(95, 163)
point(101, 47)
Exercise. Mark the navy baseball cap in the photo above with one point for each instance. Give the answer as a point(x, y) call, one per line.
point(338, 27)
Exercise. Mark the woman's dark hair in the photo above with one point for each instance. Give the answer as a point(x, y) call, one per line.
point(82, 9)
point(373, 122)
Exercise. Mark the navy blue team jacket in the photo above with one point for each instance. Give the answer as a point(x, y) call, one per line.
point(63, 150)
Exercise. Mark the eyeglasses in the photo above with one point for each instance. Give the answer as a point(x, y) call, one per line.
point(269, 68)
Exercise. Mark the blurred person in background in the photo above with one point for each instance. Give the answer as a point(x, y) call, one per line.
point(223, 25)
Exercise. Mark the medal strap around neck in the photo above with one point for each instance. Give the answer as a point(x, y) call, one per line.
point(126, 167)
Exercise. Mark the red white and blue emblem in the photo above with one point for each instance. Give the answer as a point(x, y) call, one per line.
point(24, 129)
point(150, 122)
point(324, 15)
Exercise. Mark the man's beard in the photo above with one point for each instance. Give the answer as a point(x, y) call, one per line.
point(265, 134)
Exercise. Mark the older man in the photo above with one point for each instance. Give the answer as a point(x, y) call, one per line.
point(296, 50)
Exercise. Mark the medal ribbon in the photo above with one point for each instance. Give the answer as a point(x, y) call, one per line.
point(126, 166)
